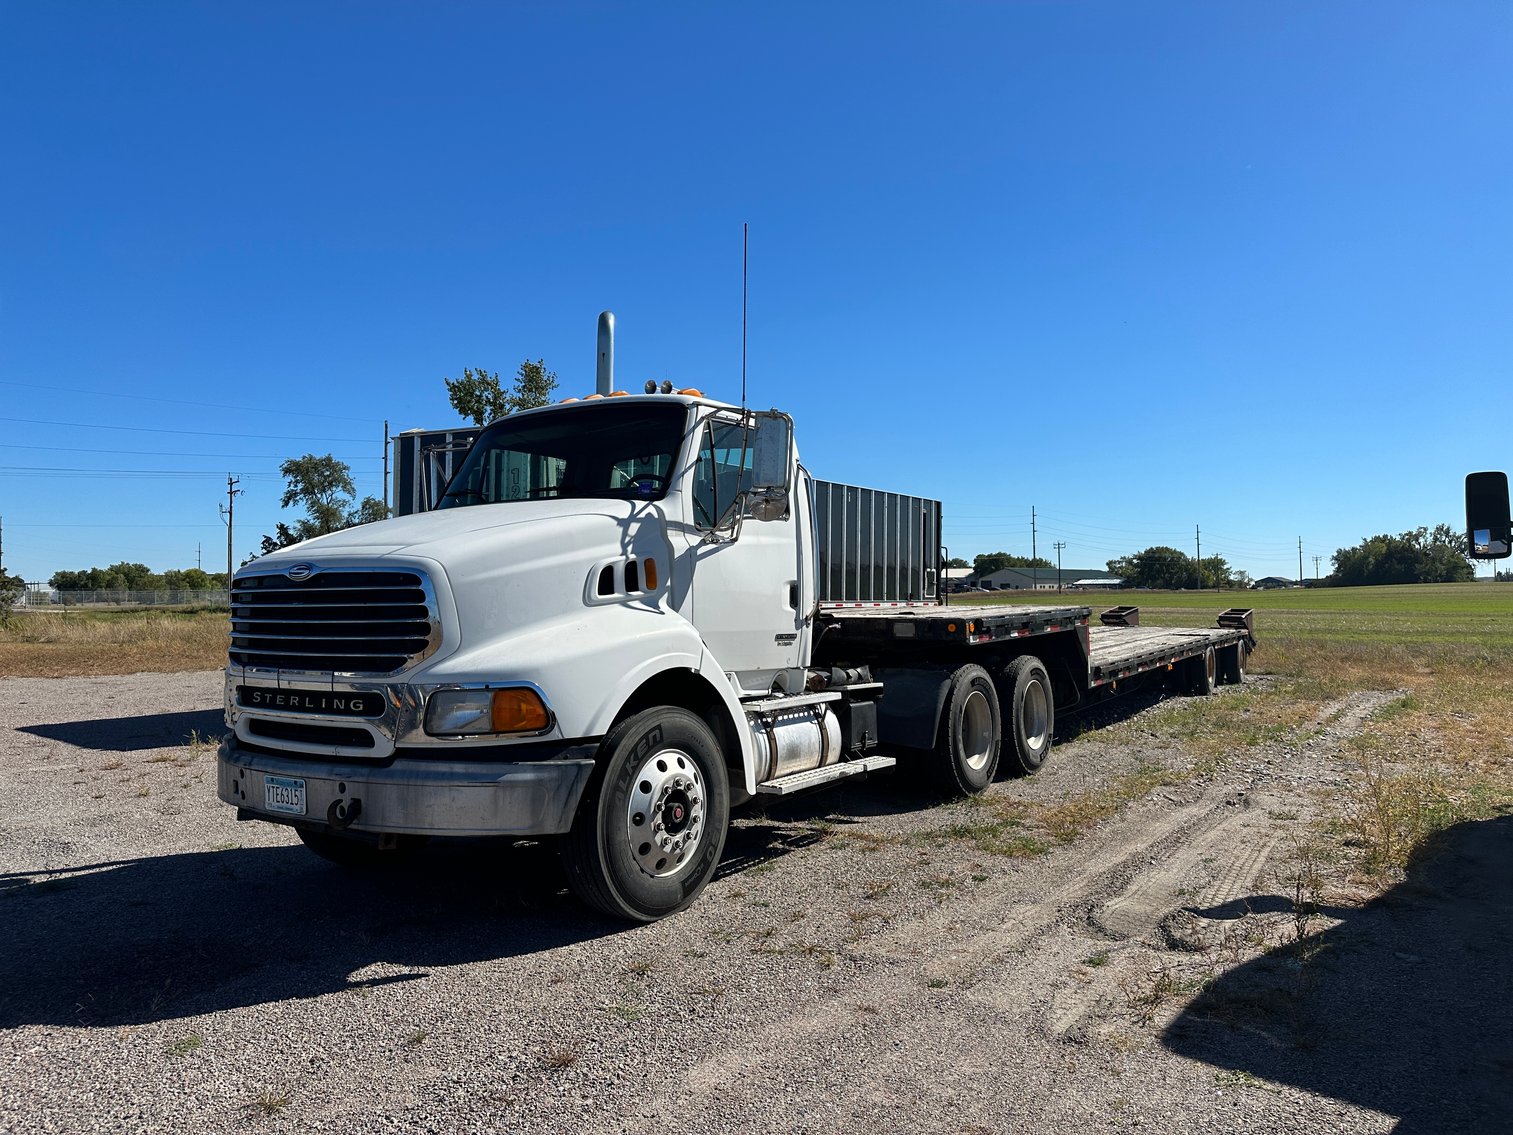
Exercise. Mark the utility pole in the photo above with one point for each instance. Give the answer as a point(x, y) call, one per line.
point(1300, 559)
point(199, 563)
point(1198, 535)
point(1059, 545)
point(1316, 560)
point(386, 466)
point(1033, 554)
point(228, 514)
point(2, 545)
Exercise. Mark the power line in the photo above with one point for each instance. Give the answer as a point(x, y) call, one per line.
point(281, 411)
point(143, 452)
point(188, 433)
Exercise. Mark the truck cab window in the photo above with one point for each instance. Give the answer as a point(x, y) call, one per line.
point(721, 472)
point(625, 452)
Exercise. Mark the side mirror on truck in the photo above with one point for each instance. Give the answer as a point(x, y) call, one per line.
point(1487, 528)
point(771, 465)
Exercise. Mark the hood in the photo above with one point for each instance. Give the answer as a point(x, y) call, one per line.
point(457, 533)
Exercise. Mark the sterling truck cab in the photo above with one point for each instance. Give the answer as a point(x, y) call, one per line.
point(624, 616)
point(566, 644)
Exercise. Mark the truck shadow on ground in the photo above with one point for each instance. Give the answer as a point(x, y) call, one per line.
point(139, 731)
point(1403, 1008)
point(154, 939)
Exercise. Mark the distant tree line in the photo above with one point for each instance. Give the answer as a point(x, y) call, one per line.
point(989, 562)
point(1424, 555)
point(137, 577)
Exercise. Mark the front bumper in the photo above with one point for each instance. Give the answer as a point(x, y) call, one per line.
point(412, 796)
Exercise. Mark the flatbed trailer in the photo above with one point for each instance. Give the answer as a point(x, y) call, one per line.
point(1092, 657)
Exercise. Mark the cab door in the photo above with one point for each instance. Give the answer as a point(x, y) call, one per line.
point(746, 572)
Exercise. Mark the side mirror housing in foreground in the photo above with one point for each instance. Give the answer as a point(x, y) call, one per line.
point(1487, 527)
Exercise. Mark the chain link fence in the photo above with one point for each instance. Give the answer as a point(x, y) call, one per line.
point(39, 596)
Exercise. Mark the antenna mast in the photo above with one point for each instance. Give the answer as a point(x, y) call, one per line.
point(745, 246)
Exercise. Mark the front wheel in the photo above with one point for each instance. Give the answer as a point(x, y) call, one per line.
point(650, 828)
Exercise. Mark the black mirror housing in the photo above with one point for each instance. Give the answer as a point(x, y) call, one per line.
point(1487, 526)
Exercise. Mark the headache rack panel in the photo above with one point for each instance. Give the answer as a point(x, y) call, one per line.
point(876, 547)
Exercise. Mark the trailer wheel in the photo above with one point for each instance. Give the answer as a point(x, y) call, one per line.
point(971, 734)
point(651, 825)
point(1032, 712)
point(1202, 673)
point(1232, 661)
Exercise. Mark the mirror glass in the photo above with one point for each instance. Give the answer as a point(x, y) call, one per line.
point(774, 441)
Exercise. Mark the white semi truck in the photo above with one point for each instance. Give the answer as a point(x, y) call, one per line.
point(625, 616)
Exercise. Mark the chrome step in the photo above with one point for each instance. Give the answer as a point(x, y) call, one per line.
point(777, 705)
point(799, 781)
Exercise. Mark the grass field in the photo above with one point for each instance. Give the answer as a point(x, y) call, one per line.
point(1438, 752)
point(66, 643)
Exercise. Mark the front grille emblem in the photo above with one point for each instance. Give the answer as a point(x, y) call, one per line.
point(300, 572)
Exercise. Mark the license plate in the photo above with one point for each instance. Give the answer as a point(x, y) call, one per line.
point(284, 794)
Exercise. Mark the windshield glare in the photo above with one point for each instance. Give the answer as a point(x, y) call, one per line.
point(619, 451)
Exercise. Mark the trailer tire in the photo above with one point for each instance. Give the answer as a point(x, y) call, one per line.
point(1032, 712)
point(1232, 660)
point(966, 754)
point(1202, 673)
point(651, 824)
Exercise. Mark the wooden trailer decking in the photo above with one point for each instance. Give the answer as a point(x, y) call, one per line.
point(1119, 648)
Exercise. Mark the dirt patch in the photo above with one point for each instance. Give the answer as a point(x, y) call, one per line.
point(862, 961)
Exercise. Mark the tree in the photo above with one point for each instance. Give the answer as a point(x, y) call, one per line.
point(12, 587)
point(478, 395)
point(1158, 566)
point(323, 487)
point(1242, 579)
point(1423, 555)
point(957, 562)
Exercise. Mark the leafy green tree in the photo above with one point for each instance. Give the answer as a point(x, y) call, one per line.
point(480, 396)
point(957, 562)
point(1157, 566)
point(12, 587)
point(323, 487)
point(1423, 555)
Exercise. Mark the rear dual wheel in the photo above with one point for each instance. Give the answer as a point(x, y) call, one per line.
point(1233, 661)
point(1202, 673)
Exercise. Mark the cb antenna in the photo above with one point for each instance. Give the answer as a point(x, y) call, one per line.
point(745, 246)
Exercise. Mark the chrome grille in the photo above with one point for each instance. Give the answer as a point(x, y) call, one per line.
point(350, 622)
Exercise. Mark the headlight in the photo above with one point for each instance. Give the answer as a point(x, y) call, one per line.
point(518, 709)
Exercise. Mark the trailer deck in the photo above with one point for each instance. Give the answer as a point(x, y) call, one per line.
point(1120, 648)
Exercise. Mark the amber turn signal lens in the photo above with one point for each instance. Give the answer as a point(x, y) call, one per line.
point(518, 710)
point(649, 574)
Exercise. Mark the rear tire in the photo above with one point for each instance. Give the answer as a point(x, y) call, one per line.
point(1032, 712)
point(1232, 661)
point(965, 758)
point(651, 825)
point(1203, 673)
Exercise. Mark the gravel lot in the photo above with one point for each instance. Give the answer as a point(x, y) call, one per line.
point(164, 968)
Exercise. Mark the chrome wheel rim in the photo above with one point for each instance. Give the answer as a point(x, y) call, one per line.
point(1034, 716)
point(977, 731)
point(664, 815)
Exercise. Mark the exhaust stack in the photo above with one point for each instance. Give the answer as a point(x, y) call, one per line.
point(605, 374)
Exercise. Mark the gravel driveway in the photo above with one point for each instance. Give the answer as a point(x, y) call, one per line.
point(859, 963)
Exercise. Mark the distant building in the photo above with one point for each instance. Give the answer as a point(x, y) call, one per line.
point(1271, 582)
point(1046, 579)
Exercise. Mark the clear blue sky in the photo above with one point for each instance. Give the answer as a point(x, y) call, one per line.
point(1142, 267)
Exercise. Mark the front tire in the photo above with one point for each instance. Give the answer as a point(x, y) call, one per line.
point(651, 826)
point(1032, 712)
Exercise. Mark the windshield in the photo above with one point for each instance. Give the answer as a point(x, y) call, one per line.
point(620, 451)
